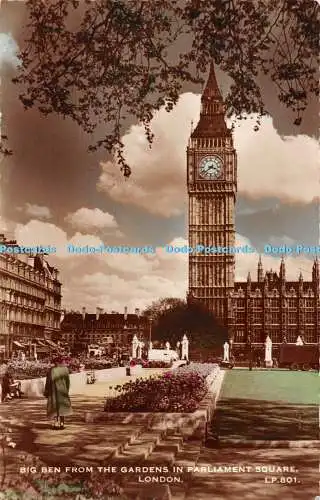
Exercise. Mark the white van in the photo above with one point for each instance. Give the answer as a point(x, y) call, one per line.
point(163, 355)
point(95, 350)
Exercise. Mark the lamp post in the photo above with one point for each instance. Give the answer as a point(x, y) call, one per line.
point(231, 350)
point(250, 352)
point(150, 330)
point(178, 349)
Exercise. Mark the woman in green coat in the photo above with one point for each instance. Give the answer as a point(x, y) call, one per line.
point(57, 392)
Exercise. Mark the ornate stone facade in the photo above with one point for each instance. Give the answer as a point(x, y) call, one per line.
point(271, 305)
point(251, 310)
point(113, 331)
point(30, 299)
point(212, 186)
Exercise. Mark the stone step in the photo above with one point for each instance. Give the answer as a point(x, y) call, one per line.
point(161, 458)
point(141, 446)
point(166, 450)
point(172, 444)
point(188, 456)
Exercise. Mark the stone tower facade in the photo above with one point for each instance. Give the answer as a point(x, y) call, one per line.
point(212, 187)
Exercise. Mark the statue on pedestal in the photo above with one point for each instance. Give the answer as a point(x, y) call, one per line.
point(135, 344)
point(139, 350)
point(185, 348)
point(268, 352)
point(226, 349)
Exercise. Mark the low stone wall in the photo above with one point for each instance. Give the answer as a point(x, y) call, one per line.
point(193, 424)
point(34, 388)
point(187, 424)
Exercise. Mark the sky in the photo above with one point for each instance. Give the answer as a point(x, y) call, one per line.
point(53, 192)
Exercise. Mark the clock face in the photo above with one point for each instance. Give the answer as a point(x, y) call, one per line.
point(210, 167)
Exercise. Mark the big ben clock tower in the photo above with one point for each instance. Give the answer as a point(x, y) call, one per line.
point(212, 187)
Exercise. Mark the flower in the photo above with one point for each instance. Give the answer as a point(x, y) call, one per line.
point(180, 390)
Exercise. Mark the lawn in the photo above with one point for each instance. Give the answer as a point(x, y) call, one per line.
point(268, 405)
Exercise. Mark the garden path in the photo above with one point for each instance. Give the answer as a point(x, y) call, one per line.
point(84, 443)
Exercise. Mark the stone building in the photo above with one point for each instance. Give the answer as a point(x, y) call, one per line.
point(269, 305)
point(272, 305)
point(30, 299)
point(212, 187)
point(114, 331)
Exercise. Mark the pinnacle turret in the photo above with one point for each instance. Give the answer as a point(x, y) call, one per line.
point(282, 270)
point(260, 270)
point(315, 270)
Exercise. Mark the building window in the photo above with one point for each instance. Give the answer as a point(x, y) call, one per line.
point(292, 334)
point(241, 318)
point(309, 317)
point(257, 335)
point(257, 317)
point(239, 336)
point(257, 303)
point(292, 318)
point(273, 317)
point(275, 334)
point(309, 335)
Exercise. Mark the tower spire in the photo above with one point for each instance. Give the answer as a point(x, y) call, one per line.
point(212, 121)
point(282, 269)
point(315, 270)
point(211, 89)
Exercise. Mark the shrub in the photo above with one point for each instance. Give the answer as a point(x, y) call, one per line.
point(22, 370)
point(180, 390)
point(157, 364)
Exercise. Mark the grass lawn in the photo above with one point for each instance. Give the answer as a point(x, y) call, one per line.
point(268, 405)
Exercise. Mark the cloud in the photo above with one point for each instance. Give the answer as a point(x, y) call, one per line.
point(275, 166)
point(86, 219)
point(40, 212)
point(157, 183)
point(248, 262)
point(128, 280)
point(37, 232)
point(8, 50)
point(268, 164)
point(3, 225)
point(112, 281)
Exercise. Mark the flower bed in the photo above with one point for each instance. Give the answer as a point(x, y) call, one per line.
point(180, 390)
point(22, 370)
point(157, 364)
point(203, 369)
point(28, 369)
point(151, 364)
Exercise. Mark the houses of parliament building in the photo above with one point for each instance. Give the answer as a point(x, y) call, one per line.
point(265, 304)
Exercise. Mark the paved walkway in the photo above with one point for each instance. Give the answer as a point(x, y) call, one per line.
point(95, 444)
